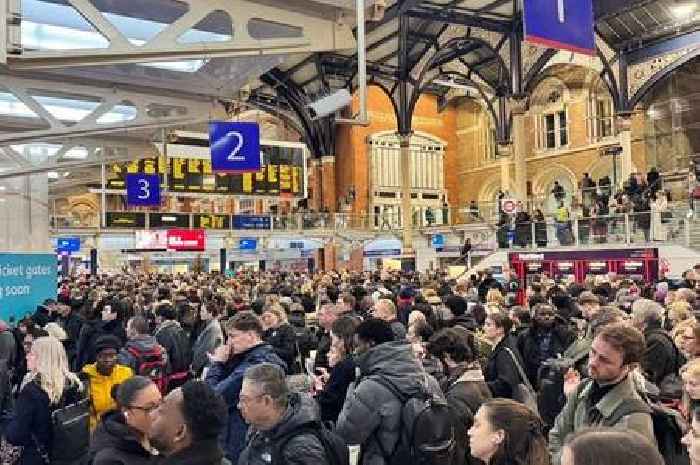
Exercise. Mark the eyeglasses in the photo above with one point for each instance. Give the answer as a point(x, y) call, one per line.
point(146, 408)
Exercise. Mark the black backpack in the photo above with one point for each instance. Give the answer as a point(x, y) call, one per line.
point(668, 428)
point(70, 430)
point(336, 450)
point(427, 434)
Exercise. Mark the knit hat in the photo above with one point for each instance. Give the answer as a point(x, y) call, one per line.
point(107, 342)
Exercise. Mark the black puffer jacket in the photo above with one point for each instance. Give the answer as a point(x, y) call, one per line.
point(304, 448)
point(501, 372)
point(283, 342)
point(113, 443)
point(533, 341)
point(372, 413)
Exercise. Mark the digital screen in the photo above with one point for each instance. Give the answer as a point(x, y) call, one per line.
point(207, 221)
point(169, 220)
point(248, 244)
point(68, 244)
point(282, 174)
point(125, 220)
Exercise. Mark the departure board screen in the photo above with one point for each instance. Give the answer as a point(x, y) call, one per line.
point(282, 174)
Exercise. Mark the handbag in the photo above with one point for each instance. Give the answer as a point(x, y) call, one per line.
point(9, 453)
point(524, 392)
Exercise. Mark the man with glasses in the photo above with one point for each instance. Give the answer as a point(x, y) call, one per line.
point(185, 428)
point(103, 375)
point(244, 348)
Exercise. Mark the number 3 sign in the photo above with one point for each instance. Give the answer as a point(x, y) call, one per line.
point(143, 189)
point(235, 147)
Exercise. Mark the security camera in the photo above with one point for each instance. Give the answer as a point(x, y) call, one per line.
point(330, 104)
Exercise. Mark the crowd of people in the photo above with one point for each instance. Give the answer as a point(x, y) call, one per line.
point(373, 368)
point(600, 214)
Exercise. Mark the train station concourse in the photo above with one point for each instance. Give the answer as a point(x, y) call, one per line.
point(383, 133)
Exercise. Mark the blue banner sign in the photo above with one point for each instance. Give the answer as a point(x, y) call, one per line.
point(26, 280)
point(67, 244)
point(382, 253)
point(438, 241)
point(251, 222)
point(143, 190)
point(248, 244)
point(561, 24)
point(235, 147)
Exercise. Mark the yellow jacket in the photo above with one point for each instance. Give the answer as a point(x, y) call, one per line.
point(101, 389)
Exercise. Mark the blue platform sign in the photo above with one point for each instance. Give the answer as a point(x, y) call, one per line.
point(235, 147)
point(143, 190)
point(438, 241)
point(251, 222)
point(561, 24)
point(26, 280)
point(67, 244)
point(248, 244)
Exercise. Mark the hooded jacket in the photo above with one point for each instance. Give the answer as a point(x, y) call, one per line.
point(90, 333)
point(101, 399)
point(226, 379)
point(174, 340)
point(209, 339)
point(113, 443)
point(303, 448)
point(371, 414)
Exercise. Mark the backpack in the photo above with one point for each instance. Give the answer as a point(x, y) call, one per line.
point(427, 434)
point(70, 430)
point(151, 363)
point(337, 451)
point(669, 428)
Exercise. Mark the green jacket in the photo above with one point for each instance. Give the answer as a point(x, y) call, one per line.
point(576, 416)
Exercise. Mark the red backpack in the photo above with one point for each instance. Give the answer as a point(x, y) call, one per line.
point(151, 363)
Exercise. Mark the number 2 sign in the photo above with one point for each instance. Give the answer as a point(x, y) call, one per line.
point(235, 147)
point(143, 189)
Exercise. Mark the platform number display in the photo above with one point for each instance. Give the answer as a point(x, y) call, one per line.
point(143, 189)
point(560, 24)
point(235, 147)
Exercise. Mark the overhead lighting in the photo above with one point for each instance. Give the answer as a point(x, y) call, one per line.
point(76, 153)
point(684, 10)
point(52, 175)
point(2, 188)
point(66, 174)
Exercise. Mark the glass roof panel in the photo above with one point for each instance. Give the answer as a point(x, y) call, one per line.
point(11, 105)
point(66, 109)
point(118, 114)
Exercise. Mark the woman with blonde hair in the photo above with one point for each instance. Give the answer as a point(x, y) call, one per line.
point(494, 296)
point(678, 311)
point(281, 336)
point(49, 385)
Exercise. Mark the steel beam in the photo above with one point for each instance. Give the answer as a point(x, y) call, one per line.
point(451, 17)
point(151, 111)
point(317, 34)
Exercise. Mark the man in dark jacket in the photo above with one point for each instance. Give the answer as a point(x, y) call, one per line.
point(371, 414)
point(244, 348)
point(278, 420)
point(186, 427)
point(465, 387)
point(327, 315)
point(546, 338)
point(501, 372)
point(660, 357)
point(176, 343)
point(140, 342)
point(102, 321)
point(385, 310)
point(67, 316)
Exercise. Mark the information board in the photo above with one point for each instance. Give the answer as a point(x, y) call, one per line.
point(26, 280)
point(125, 220)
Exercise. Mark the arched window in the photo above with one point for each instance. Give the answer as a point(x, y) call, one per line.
point(552, 119)
point(601, 112)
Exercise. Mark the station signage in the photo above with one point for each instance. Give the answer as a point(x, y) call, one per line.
point(561, 24)
point(125, 220)
point(143, 190)
point(67, 244)
point(190, 240)
point(206, 221)
point(259, 222)
point(169, 220)
point(235, 147)
point(26, 280)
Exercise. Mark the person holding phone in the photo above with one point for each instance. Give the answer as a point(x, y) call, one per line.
point(101, 320)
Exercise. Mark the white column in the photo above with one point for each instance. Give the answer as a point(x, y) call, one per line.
point(624, 126)
point(406, 204)
point(519, 150)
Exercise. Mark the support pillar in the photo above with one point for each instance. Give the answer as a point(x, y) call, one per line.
point(504, 151)
point(316, 184)
point(519, 150)
point(624, 127)
point(327, 171)
point(406, 204)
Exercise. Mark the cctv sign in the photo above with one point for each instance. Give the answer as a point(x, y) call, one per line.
point(235, 147)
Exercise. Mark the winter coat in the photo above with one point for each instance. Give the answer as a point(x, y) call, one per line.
point(304, 448)
point(226, 379)
point(207, 452)
point(529, 346)
point(283, 341)
point(577, 415)
point(90, 332)
point(324, 346)
point(176, 342)
point(501, 372)
point(465, 391)
point(399, 330)
point(371, 414)
point(114, 443)
point(72, 324)
point(661, 358)
point(8, 345)
point(332, 397)
point(31, 421)
point(209, 339)
point(142, 344)
point(101, 400)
